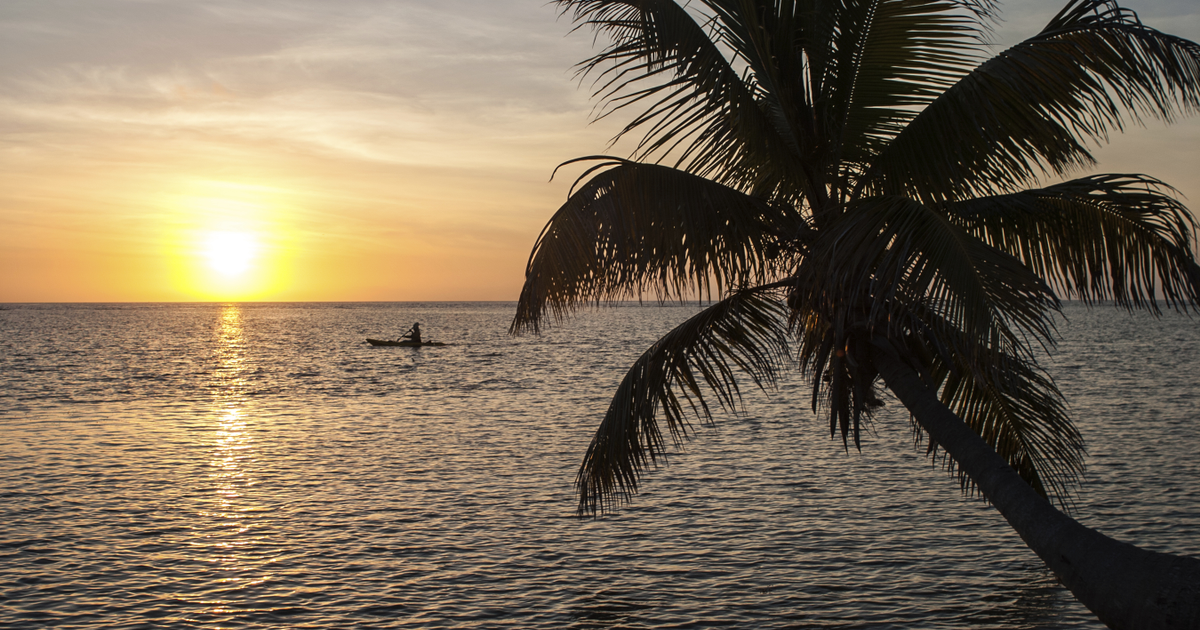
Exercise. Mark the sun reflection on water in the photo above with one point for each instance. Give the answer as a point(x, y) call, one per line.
point(233, 443)
point(233, 543)
point(230, 357)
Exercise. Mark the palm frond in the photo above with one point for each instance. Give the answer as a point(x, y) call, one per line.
point(1030, 110)
point(1104, 237)
point(1016, 408)
point(636, 227)
point(891, 258)
point(833, 351)
point(694, 103)
point(1013, 405)
point(894, 267)
point(976, 317)
point(894, 58)
point(767, 40)
point(745, 333)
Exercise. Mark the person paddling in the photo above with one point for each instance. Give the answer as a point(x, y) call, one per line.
point(413, 334)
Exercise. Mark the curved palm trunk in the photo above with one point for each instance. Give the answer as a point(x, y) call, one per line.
point(1125, 586)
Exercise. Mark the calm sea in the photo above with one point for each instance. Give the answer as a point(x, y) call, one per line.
point(260, 466)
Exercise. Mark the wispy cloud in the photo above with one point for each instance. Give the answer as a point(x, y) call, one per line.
point(381, 81)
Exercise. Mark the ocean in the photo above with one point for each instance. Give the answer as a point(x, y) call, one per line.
point(260, 466)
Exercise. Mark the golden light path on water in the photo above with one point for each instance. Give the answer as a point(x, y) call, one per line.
point(232, 542)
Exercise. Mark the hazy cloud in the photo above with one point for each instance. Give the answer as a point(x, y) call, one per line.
point(349, 75)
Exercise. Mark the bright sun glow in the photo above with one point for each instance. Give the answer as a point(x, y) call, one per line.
point(230, 253)
point(229, 242)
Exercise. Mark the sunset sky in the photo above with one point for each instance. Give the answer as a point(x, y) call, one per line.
point(163, 150)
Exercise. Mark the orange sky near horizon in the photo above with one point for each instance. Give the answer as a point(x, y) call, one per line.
point(370, 232)
point(357, 151)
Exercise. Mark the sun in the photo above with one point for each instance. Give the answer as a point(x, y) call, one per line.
point(228, 241)
point(228, 264)
point(230, 253)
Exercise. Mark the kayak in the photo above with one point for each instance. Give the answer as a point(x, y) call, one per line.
point(403, 344)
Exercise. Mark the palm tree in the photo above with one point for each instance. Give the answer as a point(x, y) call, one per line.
point(870, 198)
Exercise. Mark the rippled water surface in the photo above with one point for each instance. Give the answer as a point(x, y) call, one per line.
point(259, 466)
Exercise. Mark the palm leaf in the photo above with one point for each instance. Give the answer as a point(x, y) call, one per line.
point(1016, 408)
point(695, 103)
point(891, 259)
point(1030, 109)
point(1012, 404)
point(1118, 237)
point(636, 227)
point(746, 333)
point(894, 58)
point(894, 268)
point(976, 315)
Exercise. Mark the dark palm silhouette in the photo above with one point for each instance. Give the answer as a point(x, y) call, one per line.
point(873, 200)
